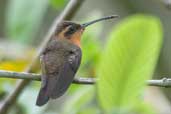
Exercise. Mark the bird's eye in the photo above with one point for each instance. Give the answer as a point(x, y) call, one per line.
point(71, 29)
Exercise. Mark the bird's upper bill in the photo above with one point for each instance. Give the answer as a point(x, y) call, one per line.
point(97, 20)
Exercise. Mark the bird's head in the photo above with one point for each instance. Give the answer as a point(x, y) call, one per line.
point(73, 31)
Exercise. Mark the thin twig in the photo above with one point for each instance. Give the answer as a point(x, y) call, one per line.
point(69, 11)
point(165, 82)
point(37, 77)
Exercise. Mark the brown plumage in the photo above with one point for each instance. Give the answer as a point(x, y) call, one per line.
point(61, 59)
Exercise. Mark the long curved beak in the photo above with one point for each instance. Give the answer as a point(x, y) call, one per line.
point(97, 20)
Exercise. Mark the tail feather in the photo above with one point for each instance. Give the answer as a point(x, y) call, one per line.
point(42, 97)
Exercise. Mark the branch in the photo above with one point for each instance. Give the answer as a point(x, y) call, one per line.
point(69, 11)
point(165, 82)
point(37, 77)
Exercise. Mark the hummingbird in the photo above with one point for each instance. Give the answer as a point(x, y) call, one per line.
point(61, 59)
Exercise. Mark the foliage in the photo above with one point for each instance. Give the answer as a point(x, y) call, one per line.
point(128, 61)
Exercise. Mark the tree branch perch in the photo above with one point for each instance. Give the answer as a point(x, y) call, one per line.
point(37, 77)
point(165, 82)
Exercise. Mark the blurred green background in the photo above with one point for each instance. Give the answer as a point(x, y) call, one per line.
point(123, 54)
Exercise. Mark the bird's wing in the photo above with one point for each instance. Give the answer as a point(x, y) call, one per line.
point(57, 74)
point(43, 95)
point(67, 73)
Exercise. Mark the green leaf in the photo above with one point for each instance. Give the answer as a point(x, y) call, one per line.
point(144, 108)
point(90, 110)
point(58, 3)
point(128, 61)
point(78, 100)
point(23, 17)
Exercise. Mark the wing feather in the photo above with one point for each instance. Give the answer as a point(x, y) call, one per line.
point(58, 72)
point(43, 95)
point(66, 75)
